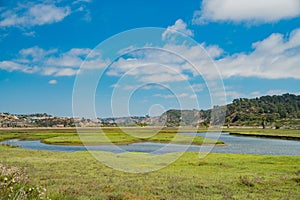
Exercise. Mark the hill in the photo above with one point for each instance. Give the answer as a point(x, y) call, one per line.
point(276, 110)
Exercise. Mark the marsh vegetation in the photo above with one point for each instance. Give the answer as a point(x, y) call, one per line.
point(79, 175)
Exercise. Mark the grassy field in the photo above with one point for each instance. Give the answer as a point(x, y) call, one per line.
point(105, 136)
point(79, 175)
point(218, 176)
point(127, 135)
point(276, 133)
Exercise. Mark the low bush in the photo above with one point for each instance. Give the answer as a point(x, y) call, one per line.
point(14, 184)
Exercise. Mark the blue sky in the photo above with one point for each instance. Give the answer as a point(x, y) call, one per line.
point(254, 44)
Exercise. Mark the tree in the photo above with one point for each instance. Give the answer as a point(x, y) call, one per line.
point(263, 123)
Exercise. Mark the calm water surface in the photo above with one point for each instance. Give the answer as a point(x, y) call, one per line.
point(235, 145)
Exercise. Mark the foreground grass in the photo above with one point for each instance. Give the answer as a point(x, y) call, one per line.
point(276, 133)
point(218, 176)
point(14, 184)
point(105, 136)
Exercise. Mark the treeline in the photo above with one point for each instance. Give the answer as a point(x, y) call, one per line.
point(272, 109)
point(55, 121)
point(276, 110)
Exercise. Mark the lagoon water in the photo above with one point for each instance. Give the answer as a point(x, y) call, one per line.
point(235, 145)
point(255, 145)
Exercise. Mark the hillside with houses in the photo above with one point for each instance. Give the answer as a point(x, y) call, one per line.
point(273, 111)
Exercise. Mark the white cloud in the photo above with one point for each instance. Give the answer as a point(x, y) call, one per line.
point(34, 54)
point(150, 66)
point(155, 86)
point(46, 14)
point(14, 66)
point(163, 77)
point(198, 87)
point(126, 50)
point(82, 7)
point(29, 34)
point(276, 92)
point(53, 82)
point(251, 11)
point(170, 96)
point(193, 96)
point(274, 57)
point(114, 85)
point(179, 26)
point(141, 86)
point(231, 94)
point(33, 15)
point(200, 59)
point(66, 72)
point(87, 16)
point(72, 58)
point(166, 64)
point(255, 94)
point(52, 62)
point(82, 1)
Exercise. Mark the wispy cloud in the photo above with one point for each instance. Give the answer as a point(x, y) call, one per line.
point(254, 11)
point(276, 92)
point(275, 57)
point(33, 15)
point(38, 13)
point(168, 96)
point(234, 94)
point(52, 62)
point(29, 34)
point(82, 1)
point(163, 77)
point(141, 86)
point(181, 95)
point(53, 82)
point(197, 87)
point(14, 66)
point(256, 94)
point(149, 66)
point(83, 8)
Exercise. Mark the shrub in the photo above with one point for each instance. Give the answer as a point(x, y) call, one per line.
point(14, 184)
point(245, 180)
point(250, 182)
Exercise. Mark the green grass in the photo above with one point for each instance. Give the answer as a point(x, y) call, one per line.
point(280, 133)
point(106, 136)
point(79, 175)
point(131, 135)
point(34, 134)
point(218, 176)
